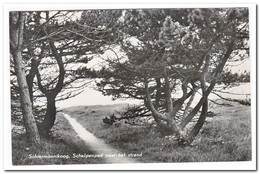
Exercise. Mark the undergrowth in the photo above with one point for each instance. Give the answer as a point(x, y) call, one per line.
point(226, 137)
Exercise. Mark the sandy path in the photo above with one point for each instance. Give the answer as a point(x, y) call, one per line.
point(96, 144)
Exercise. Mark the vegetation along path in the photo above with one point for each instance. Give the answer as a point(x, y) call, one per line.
point(110, 154)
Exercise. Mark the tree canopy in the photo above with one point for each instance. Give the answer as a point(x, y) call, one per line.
point(170, 55)
point(56, 44)
point(163, 57)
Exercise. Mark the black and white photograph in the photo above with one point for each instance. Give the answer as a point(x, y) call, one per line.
point(170, 85)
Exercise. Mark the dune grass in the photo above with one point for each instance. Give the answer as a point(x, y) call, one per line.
point(225, 137)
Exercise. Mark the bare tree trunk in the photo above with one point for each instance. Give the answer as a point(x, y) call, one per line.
point(158, 94)
point(188, 106)
point(163, 129)
point(50, 117)
point(16, 38)
point(28, 118)
point(200, 122)
point(30, 77)
point(51, 94)
point(168, 117)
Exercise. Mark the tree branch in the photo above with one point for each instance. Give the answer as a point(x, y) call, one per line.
point(150, 104)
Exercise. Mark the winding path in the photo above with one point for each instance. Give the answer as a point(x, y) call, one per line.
point(96, 144)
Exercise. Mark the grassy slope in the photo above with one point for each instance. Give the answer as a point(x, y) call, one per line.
point(225, 137)
point(65, 142)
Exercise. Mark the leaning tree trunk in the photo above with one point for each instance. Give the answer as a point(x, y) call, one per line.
point(194, 132)
point(207, 91)
point(172, 108)
point(168, 117)
point(51, 94)
point(16, 39)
